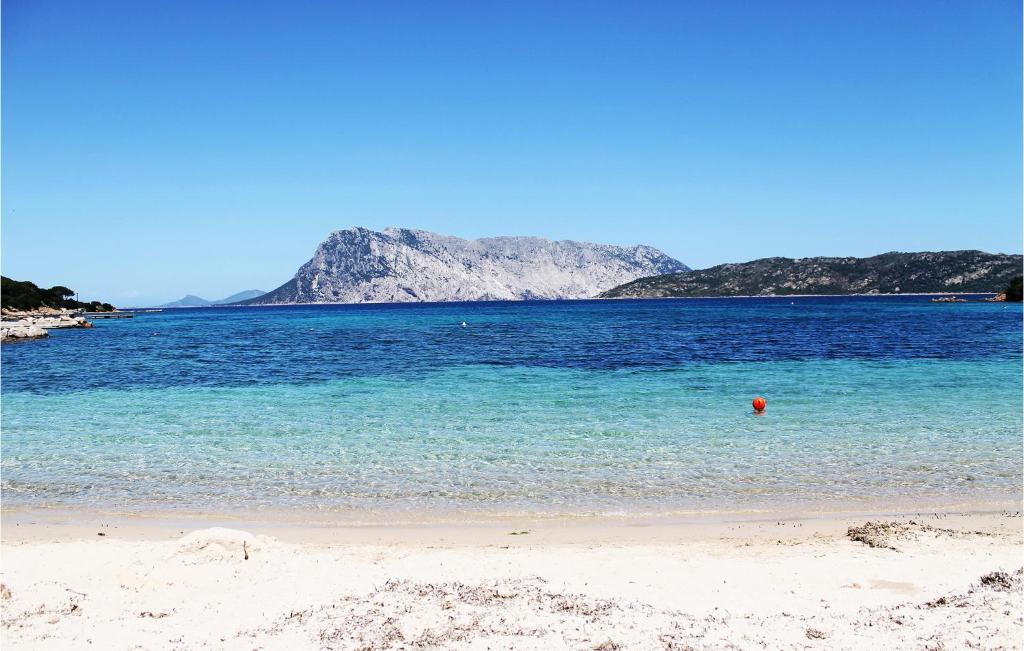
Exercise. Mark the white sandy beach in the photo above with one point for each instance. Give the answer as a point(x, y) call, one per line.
point(943, 581)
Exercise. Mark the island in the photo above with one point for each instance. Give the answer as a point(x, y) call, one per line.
point(942, 272)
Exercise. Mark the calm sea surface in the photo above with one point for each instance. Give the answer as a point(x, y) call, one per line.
point(545, 407)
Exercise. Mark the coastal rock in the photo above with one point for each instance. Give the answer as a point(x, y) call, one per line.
point(61, 321)
point(18, 331)
point(33, 324)
point(358, 265)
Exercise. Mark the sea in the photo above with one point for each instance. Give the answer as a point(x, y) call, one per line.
point(404, 412)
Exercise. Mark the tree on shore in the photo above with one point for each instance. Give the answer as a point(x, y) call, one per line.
point(1013, 291)
point(25, 295)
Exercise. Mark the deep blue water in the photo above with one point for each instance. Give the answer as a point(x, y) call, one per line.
point(554, 407)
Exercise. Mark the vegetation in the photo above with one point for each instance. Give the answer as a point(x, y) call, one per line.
point(889, 273)
point(23, 295)
point(1013, 291)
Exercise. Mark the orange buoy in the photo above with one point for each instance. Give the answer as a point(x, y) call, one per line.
point(760, 403)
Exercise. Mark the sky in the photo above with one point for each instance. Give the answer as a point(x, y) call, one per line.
point(153, 149)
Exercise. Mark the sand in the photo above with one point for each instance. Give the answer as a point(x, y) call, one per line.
point(902, 581)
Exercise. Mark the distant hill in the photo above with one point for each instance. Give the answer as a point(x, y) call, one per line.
point(191, 300)
point(25, 295)
point(240, 296)
point(889, 273)
point(358, 265)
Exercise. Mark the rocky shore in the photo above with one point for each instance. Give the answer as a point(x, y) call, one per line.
point(998, 298)
point(33, 324)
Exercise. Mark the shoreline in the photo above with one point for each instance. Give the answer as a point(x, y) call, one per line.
point(553, 300)
point(34, 524)
point(878, 295)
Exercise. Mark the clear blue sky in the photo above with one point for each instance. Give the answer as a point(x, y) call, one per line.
point(153, 149)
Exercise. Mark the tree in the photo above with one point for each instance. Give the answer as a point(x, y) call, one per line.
point(1013, 291)
point(23, 295)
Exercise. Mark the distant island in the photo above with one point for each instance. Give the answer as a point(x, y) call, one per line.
point(191, 300)
point(889, 273)
point(399, 265)
point(25, 295)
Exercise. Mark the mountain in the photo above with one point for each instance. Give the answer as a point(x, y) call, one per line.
point(358, 265)
point(190, 300)
point(889, 273)
point(240, 296)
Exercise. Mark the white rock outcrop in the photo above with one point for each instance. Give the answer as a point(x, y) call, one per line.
point(21, 331)
point(17, 324)
point(358, 265)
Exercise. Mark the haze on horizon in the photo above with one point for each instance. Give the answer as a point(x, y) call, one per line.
point(153, 150)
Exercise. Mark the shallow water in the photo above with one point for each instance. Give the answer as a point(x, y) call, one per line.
point(545, 407)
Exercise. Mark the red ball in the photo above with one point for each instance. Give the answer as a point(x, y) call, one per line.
point(760, 403)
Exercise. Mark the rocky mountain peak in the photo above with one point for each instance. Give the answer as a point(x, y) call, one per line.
point(358, 265)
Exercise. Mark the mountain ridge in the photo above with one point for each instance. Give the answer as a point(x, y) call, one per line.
point(191, 300)
point(359, 265)
point(925, 272)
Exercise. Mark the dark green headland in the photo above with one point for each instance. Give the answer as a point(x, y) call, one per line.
point(889, 273)
point(25, 295)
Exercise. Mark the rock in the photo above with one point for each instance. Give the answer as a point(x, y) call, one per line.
point(14, 332)
point(32, 325)
point(358, 265)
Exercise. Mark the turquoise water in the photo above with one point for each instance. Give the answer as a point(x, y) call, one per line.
point(622, 407)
